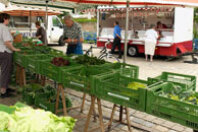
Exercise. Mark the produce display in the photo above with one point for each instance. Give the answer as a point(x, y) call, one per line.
point(114, 83)
point(26, 119)
point(60, 61)
point(35, 94)
point(177, 93)
point(87, 60)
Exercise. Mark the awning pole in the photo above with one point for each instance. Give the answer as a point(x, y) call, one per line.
point(46, 15)
point(30, 23)
point(126, 31)
point(98, 19)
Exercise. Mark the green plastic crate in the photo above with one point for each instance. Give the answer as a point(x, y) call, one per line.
point(19, 57)
point(54, 72)
point(113, 87)
point(174, 110)
point(43, 103)
point(34, 62)
point(79, 78)
point(124, 69)
point(189, 80)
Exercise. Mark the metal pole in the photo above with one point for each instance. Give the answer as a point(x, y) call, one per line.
point(30, 23)
point(98, 19)
point(126, 31)
point(46, 15)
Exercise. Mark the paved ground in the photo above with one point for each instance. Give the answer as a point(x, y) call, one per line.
point(142, 122)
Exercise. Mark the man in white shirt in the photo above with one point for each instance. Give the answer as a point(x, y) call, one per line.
point(150, 42)
point(6, 49)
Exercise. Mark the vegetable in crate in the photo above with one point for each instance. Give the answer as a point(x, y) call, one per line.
point(87, 60)
point(136, 85)
point(59, 61)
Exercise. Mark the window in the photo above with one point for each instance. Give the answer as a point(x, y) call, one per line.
point(56, 22)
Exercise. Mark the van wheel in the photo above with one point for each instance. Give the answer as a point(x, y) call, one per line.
point(61, 41)
point(132, 51)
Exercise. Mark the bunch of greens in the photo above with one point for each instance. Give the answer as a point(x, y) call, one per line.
point(87, 60)
point(32, 89)
point(27, 119)
point(176, 92)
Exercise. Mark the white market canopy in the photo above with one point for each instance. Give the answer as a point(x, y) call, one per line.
point(27, 11)
point(54, 5)
point(192, 3)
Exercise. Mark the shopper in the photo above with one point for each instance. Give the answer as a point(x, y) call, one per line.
point(6, 49)
point(41, 33)
point(117, 39)
point(150, 42)
point(161, 25)
point(72, 36)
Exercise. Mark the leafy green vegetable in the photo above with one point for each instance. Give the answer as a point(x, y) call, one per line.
point(27, 119)
point(87, 60)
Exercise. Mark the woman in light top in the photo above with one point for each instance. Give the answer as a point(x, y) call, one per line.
point(6, 49)
point(150, 42)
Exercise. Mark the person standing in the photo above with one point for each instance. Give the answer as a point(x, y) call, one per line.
point(72, 36)
point(6, 49)
point(150, 42)
point(117, 39)
point(41, 33)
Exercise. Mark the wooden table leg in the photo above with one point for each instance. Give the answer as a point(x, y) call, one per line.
point(112, 115)
point(121, 113)
point(63, 99)
point(100, 114)
point(57, 100)
point(43, 80)
point(83, 103)
point(128, 119)
point(23, 76)
point(90, 113)
point(17, 74)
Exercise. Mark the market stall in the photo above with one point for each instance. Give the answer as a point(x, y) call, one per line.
point(175, 39)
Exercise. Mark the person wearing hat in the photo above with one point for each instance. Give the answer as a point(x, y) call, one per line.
point(150, 42)
point(6, 49)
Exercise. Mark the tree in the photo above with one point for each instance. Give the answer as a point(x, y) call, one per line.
point(195, 32)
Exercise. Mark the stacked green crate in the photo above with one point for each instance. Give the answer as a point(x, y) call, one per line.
point(172, 102)
point(188, 80)
point(34, 62)
point(80, 78)
point(122, 90)
point(19, 57)
point(54, 72)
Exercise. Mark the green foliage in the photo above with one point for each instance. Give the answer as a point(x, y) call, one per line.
point(196, 15)
point(85, 20)
point(195, 32)
point(87, 60)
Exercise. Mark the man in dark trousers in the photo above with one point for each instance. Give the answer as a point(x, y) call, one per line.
point(117, 39)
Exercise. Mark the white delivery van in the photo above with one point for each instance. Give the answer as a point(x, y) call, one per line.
point(27, 26)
